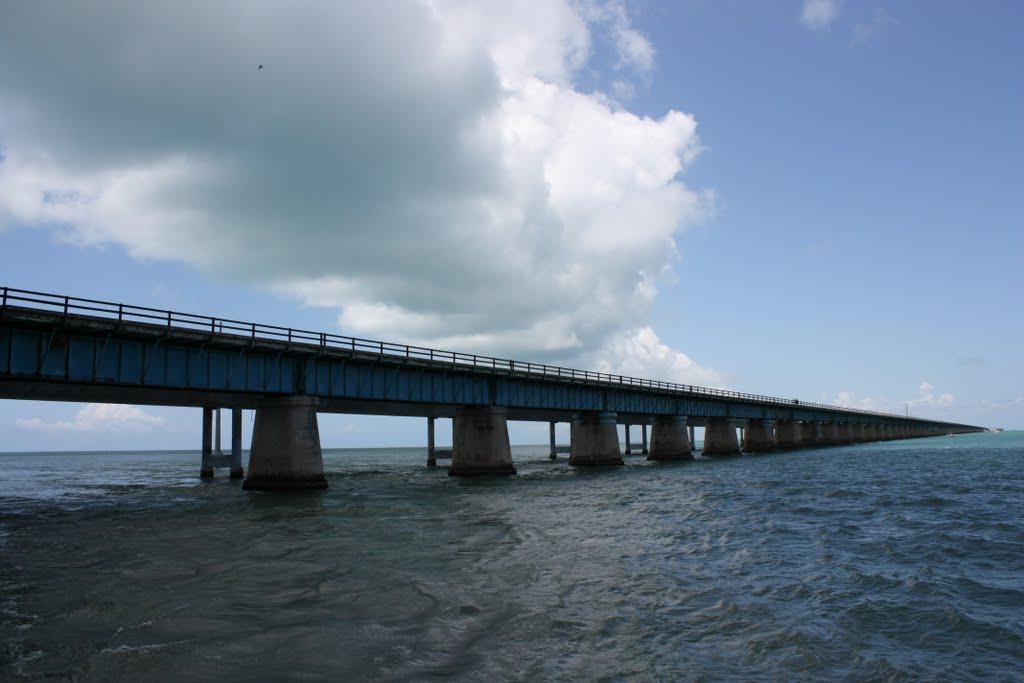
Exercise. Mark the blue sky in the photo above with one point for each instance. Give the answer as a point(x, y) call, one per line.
point(810, 199)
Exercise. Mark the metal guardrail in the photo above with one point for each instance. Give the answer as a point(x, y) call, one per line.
point(392, 351)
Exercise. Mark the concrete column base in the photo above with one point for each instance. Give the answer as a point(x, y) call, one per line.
point(845, 433)
point(759, 436)
point(206, 465)
point(480, 442)
point(720, 437)
point(595, 441)
point(811, 434)
point(829, 434)
point(670, 439)
point(285, 453)
point(236, 444)
point(788, 434)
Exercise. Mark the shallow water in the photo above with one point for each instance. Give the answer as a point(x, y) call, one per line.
point(893, 561)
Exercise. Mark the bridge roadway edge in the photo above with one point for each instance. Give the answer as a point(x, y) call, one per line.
point(521, 395)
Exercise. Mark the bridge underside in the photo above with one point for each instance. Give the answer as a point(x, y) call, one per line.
point(198, 398)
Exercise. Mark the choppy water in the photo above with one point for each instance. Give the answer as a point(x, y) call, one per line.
point(895, 561)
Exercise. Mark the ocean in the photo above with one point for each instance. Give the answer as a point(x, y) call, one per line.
point(896, 561)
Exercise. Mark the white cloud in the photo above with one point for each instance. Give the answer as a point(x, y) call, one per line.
point(879, 23)
point(633, 49)
point(641, 353)
point(926, 400)
point(427, 168)
point(929, 399)
point(818, 15)
point(98, 417)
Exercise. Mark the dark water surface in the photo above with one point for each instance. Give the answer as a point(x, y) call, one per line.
point(895, 561)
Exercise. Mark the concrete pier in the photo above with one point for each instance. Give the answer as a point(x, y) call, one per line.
point(216, 433)
point(595, 440)
point(431, 459)
point(285, 453)
point(720, 436)
point(643, 437)
point(759, 436)
point(669, 439)
point(846, 434)
point(480, 442)
point(235, 462)
point(629, 446)
point(829, 433)
point(788, 434)
point(206, 466)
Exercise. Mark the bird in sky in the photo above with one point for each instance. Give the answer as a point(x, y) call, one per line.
point(261, 66)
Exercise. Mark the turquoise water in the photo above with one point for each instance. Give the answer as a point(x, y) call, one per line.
point(893, 561)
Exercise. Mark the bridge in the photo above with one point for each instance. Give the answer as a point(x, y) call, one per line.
point(63, 348)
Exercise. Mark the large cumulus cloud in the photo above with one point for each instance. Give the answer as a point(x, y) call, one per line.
point(427, 168)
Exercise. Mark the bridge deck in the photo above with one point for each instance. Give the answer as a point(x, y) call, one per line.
point(65, 348)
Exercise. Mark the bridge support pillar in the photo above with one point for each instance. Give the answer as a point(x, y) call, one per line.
point(693, 436)
point(551, 438)
point(431, 456)
point(810, 433)
point(860, 433)
point(788, 434)
point(720, 436)
point(759, 436)
point(237, 472)
point(669, 439)
point(629, 446)
point(206, 467)
point(841, 433)
point(285, 453)
point(829, 433)
point(480, 442)
point(643, 437)
point(595, 440)
point(848, 433)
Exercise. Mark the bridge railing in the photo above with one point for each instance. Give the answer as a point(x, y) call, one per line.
point(392, 351)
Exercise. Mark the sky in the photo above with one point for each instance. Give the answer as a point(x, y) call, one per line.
point(817, 199)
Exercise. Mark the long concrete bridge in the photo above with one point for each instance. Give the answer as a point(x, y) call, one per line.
point(62, 348)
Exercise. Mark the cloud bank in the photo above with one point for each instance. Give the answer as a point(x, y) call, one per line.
point(429, 169)
point(818, 15)
point(927, 400)
point(98, 417)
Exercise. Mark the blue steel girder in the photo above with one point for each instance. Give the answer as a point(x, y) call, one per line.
point(81, 358)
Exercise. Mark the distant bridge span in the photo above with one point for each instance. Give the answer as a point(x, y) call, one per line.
point(62, 348)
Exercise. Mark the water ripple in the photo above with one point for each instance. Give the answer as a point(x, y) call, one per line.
point(877, 562)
